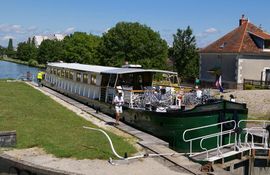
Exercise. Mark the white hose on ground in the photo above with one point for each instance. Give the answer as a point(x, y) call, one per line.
point(129, 158)
point(110, 141)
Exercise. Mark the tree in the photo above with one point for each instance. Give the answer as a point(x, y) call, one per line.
point(81, 48)
point(49, 51)
point(10, 50)
point(2, 51)
point(10, 45)
point(26, 51)
point(135, 43)
point(185, 54)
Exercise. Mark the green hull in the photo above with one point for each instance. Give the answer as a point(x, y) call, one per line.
point(171, 125)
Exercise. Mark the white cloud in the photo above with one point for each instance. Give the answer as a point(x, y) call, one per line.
point(207, 32)
point(7, 28)
point(206, 37)
point(32, 29)
point(69, 30)
point(211, 30)
point(7, 37)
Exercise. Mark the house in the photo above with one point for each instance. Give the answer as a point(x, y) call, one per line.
point(243, 53)
point(39, 38)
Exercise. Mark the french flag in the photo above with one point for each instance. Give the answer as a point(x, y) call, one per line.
point(219, 84)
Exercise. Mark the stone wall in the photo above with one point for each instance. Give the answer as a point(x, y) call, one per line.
point(7, 138)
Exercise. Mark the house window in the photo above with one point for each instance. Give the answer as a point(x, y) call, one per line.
point(71, 75)
point(78, 77)
point(93, 79)
point(85, 78)
point(267, 44)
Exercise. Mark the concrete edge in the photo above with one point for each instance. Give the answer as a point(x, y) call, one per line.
point(25, 165)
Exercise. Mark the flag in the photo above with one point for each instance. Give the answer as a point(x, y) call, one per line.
point(219, 83)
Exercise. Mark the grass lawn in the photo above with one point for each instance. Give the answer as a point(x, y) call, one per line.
point(42, 122)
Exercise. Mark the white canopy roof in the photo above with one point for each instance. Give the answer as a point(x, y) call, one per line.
point(104, 69)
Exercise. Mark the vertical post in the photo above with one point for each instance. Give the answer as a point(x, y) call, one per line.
point(190, 148)
point(221, 131)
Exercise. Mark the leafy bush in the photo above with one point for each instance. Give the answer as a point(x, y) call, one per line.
point(32, 62)
point(248, 87)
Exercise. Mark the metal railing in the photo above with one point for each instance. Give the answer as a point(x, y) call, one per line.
point(219, 145)
point(255, 84)
point(243, 140)
point(260, 130)
point(218, 134)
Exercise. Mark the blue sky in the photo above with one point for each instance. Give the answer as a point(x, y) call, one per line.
point(209, 19)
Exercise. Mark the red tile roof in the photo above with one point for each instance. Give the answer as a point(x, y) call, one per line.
point(238, 41)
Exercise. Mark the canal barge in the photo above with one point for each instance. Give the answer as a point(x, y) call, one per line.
point(151, 100)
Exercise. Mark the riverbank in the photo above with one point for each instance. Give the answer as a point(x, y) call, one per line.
point(39, 158)
point(42, 66)
point(42, 122)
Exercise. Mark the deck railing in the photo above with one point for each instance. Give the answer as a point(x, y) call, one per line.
point(244, 138)
point(219, 135)
point(261, 129)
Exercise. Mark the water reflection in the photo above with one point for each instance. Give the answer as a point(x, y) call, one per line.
point(15, 71)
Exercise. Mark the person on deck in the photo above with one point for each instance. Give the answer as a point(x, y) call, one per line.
point(232, 98)
point(118, 102)
point(198, 92)
point(197, 81)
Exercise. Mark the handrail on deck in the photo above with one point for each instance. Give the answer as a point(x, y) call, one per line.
point(217, 134)
point(261, 128)
point(239, 144)
point(230, 132)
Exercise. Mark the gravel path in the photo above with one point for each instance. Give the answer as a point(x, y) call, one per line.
point(258, 102)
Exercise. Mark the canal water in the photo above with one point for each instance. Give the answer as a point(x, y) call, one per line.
point(9, 70)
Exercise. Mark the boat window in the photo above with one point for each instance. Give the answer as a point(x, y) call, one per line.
point(63, 73)
point(55, 71)
point(93, 79)
point(48, 70)
point(112, 80)
point(174, 80)
point(161, 79)
point(59, 72)
point(78, 77)
point(85, 78)
point(71, 75)
point(125, 80)
point(66, 73)
point(51, 71)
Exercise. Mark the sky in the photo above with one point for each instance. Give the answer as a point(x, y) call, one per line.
point(209, 19)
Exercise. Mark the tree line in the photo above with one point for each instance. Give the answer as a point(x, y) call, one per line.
point(126, 41)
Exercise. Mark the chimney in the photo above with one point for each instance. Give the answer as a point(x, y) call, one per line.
point(243, 20)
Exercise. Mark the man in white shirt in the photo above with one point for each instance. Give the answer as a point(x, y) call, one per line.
point(198, 92)
point(118, 102)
